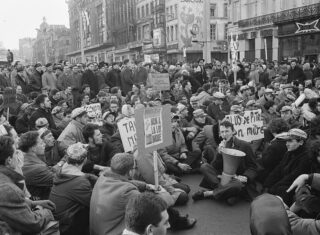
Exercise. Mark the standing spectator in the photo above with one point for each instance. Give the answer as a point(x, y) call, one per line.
point(200, 72)
point(49, 79)
point(263, 75)
point(307, 71)
point(36, 79)
point(101, 75)
point(65, 79)
point(113, 76)
point(140, 75)
point(126, 77)
point(90, 78)
point(9, 57)
point(76, 77)
point(21, 80)
point(295, 73)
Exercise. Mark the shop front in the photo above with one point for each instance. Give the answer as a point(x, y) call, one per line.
point(300, 40)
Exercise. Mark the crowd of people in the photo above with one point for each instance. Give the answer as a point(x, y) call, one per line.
point(61, 172)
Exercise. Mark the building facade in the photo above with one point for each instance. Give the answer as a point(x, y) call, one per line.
point(96, 36)
point(276, 29)
point(188, 30)
point(51, 44)
point(26, 49)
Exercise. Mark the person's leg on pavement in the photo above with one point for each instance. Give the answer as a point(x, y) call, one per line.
point(210, 176)
point(182, 186)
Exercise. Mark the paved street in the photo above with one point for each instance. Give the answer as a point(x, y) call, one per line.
point(215, 218)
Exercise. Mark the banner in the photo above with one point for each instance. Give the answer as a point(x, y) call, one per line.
point(160, 81)
point(153, 128)
point(249, 126)
point(94, 113)
point(127, 129)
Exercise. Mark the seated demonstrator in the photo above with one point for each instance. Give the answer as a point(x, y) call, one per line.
point(246, 171)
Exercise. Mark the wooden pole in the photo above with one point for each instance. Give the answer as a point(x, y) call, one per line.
point(155, 169)
point(8, 113)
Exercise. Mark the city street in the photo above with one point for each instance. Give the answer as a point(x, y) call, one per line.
point(214, 218)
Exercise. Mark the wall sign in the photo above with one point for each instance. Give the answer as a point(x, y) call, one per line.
point(308, 27)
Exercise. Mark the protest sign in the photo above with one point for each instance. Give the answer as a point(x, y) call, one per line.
point(160, 81)
point(153, 128)
point(94, 113)
point(127, 129)
point(249, 126)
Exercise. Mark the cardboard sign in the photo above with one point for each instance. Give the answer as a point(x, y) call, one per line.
point(95, 113)
point(160, 81)
point(153, 128)
point(127, 129)
point(249, 127)
point(9, 98)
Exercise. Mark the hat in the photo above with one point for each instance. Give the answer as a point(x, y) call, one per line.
point(41, 122)
point(106, 114)
point(24, 106)
point(77, 151)
point(56, 110)
point(295, 133)
point(199, 113)
point(102, 94)
point(77, 112)
point(37, 65)
point(48, 65)
point(43, 132)
point(236, 108)
point(127, 110)
point(286, 108)
point(285, 86)
point(194, 99)
point(218, 95)
point(181, 107)
point(245, 87)
point(174, 115)
point(250, 103)
point(268, 90)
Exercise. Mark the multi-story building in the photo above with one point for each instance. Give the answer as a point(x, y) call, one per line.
point(121, 17)
point(96, 36)
point(26, 49)
point(276, 29)
point(187, 26)
point(51, 44)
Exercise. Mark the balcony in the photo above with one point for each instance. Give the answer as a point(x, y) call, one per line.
point(282, 16)
point(158, 8)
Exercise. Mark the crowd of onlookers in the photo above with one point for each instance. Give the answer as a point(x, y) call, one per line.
point(61, 170)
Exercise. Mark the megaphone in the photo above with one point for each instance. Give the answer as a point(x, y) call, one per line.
point(231, 161)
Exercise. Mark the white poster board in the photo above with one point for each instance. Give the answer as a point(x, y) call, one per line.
point(249, 126)
point(127, 129)
point(95, 113)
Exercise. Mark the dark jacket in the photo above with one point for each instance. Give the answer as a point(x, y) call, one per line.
point(215, 112)
point(101, 79)
point(52, 156)
point(22, 124)
point(218, 74)
point(42, 113)
point(39, 178)
point(296, 74)
point(71, 195)
point(126, 80)
point(35, 83)
point(14, 209)
point(90, 78)
point(264, 79)
point(23, 83)
point(3, 82)
point(140, 75)
point(248, 166)
point(293, 164)
point(113, 78)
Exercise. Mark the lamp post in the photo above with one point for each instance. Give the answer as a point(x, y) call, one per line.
point(80, 7)
point(206, 29)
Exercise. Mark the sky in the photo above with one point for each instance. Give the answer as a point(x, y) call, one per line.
point(20, 18)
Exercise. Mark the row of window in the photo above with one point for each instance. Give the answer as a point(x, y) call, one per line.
point(172, 33)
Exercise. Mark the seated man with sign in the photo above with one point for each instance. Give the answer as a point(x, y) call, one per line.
point(243, 174)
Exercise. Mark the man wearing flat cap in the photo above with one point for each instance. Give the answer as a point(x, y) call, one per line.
point(216, 109)
point(294, 163)
point(287, 115)
point(244, 94)
point(267, 96)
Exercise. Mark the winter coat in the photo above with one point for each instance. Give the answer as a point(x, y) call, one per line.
point(296, 74)
point(178, 145)
point(42, 113)
point(126, 80)
point(110, 196)
point(209, 136)
point(65, 80)
point(101, 79)
point(39, 178)
point(140, 75)
point(21, 81)
point(35, 83)
point(90, 78)
point(71, 135)
point(49, 81)
point(113, 78)
point(14, 210)
point(71, 194)
point(21, 125)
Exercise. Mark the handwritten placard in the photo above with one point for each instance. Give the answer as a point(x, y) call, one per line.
point(249, 126)
point(160, 81)
point(127, 129)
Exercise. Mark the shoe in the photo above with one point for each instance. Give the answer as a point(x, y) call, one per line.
point(184, 223)
point(198, 195)
point(231, 201)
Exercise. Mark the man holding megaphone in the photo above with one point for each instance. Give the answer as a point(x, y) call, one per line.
point(236, 164)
